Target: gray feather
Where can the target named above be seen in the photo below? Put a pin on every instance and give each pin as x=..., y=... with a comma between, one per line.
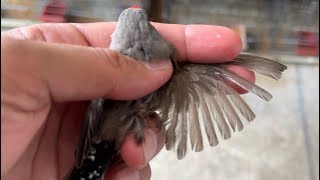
x=212, y=97
x=210, y=105
x=229, y=112
x=183, y=132
x=219, y=89
x=171, y=132
x=237, y=101
x=195, y=130
x=208, y=124
x=218, y=117
x=243, y=83
x=259, y=64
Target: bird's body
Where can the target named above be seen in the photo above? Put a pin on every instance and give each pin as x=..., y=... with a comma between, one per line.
x=193, y=89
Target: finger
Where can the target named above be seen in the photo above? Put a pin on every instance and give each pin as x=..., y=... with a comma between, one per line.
x=246, y=74
x=137, y=156
x=196, y=43
x=145, y=173
x=71, y=72
x=122, y=171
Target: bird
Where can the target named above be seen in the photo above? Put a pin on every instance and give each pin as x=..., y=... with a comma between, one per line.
x=196, y=93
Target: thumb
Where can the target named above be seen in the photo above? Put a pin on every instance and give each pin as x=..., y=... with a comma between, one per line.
x=69, y=72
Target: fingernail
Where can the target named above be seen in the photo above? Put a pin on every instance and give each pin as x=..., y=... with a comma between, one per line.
x=150, y=144
x=128, y=174
x=159, y=64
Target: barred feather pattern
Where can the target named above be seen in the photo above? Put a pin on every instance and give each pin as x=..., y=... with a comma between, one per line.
x=199, y=92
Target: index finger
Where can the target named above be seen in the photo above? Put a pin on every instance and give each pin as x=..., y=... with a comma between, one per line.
x=194, y=43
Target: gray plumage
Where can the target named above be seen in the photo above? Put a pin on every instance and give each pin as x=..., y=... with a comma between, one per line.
x=196, y=94
x=136, y=37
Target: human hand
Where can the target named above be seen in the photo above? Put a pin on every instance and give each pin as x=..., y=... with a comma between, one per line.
x=48, y=71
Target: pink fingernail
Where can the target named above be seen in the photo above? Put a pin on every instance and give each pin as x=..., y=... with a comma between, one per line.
x=161, y=64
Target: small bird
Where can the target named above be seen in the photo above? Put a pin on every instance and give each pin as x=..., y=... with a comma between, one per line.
x=195, y=93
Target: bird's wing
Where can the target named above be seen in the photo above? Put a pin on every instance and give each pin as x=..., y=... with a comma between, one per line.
x=198, y=95
x=93, y=117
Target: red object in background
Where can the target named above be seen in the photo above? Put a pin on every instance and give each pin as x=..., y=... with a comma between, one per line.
x=135, y=7
x=307, y=44
x=54, y=11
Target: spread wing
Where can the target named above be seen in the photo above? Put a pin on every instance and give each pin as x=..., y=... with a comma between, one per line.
x=198, y=95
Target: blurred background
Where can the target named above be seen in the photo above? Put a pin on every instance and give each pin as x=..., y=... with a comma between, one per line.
x=283, y=142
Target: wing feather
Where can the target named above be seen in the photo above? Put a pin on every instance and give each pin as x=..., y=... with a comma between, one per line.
x=183, y=129
x=199, y=92
x=195, y=130
x=208, y=124
x=93, y=117
x=261, y=65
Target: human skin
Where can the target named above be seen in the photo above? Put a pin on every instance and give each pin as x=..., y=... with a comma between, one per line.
x=50, y=71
